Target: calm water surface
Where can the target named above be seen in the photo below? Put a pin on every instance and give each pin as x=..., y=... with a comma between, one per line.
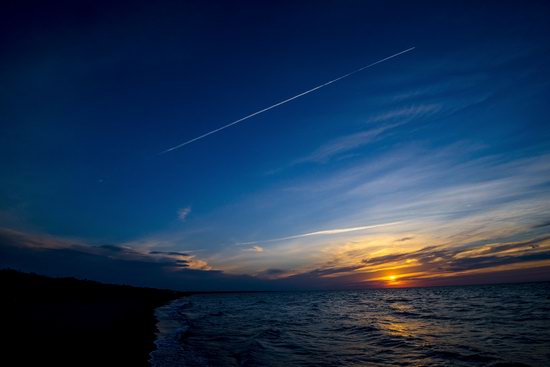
x=499, y=325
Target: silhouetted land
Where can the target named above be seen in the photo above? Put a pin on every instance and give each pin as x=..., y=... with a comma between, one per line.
x=71, y=322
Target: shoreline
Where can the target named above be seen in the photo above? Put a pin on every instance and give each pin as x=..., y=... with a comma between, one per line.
x=68, y=322
x=169, y=330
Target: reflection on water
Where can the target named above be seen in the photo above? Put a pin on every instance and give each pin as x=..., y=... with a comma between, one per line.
x=447, y=326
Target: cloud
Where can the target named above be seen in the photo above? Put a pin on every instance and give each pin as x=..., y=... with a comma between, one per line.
x=114, y=264
x=116, y=249
x=183, y=213
x=406, y=113
x=168, y=253
x=436, y=265
x=347, y=143
x=542, y=225
x=323, y=232
x=404, y=239
x=273, y=271
x=256, y=249
x=437, y=260
x=344, y=144
x=454, y=195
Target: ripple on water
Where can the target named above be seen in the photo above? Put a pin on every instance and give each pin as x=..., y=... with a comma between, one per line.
x=496, y=326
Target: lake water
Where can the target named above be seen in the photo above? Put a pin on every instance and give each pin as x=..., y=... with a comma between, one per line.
x=493, y=325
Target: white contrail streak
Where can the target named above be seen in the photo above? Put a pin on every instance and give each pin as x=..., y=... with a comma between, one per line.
x=283, y=102
x=321, y=233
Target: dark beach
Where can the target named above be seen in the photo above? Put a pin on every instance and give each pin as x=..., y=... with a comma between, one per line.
x=66, y=321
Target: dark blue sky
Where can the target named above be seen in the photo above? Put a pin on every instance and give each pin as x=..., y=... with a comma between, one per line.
x=446, y=145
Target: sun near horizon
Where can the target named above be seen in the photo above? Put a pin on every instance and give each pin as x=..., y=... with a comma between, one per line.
x=196, y=146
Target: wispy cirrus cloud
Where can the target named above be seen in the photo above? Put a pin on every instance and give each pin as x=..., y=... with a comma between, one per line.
x=255, y=248
x=406, y=113
x=183, y=213
x=439, y=197
x=345, y=144
x=323, y=232
x=393, y=118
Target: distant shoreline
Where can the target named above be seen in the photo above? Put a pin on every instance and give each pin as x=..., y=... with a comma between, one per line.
x=71, y=322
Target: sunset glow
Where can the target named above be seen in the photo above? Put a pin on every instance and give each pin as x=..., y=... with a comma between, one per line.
x=275, y=183
x=254, y=159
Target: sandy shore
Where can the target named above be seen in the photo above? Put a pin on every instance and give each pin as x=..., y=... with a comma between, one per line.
x=72, y=322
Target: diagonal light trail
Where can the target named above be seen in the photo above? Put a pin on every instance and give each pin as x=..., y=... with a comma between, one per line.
x=282, y=102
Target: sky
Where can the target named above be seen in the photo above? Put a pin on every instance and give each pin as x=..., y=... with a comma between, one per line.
x=429, y=168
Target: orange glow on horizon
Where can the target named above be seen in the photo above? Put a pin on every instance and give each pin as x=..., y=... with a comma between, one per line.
x=392, y=281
